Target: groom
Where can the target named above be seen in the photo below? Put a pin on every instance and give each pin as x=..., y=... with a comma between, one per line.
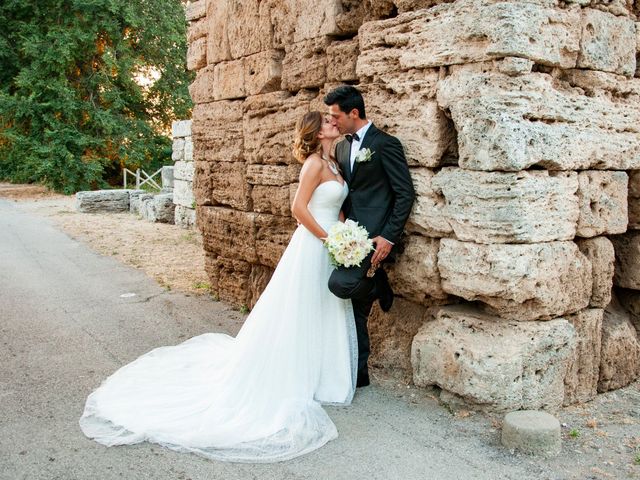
x=380, y=198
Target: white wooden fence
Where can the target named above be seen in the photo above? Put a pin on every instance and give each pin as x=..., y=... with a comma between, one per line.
x=142, y=178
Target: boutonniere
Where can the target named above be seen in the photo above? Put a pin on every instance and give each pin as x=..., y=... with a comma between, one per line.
x=364, y=155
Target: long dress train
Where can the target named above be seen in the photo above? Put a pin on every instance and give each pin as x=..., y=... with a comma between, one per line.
x=256, y=397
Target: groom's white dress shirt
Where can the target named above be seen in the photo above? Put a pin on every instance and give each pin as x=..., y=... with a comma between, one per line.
x=355, y=144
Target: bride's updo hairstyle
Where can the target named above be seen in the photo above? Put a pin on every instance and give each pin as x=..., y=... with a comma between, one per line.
x=306, y=141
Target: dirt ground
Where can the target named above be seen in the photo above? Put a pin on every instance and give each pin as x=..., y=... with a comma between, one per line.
x=601, y=439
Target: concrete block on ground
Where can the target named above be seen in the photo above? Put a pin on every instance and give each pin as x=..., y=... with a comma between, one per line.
x=184, y=217
x=164, y=208
x=532, y=432
x=103, y=201
x=167, y=177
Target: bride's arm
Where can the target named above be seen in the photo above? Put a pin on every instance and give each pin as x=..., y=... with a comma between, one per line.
x=341, y=216
x=309, y=180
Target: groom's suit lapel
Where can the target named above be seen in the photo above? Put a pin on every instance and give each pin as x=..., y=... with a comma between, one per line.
x=366, y=143
x=343, y=156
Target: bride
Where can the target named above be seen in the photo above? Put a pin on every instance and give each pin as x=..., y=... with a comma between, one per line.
x=256, y=397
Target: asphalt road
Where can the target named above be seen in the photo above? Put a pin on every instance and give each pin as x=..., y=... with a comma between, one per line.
x=68, y=319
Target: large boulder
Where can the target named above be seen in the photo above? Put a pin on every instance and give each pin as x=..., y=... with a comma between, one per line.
x=492, y=363
x=518, y=282
x=103, y=201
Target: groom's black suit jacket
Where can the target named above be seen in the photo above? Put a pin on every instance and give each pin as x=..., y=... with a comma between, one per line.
x=380, y=190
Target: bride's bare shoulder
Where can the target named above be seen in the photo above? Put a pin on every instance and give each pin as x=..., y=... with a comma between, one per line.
x=313, y=163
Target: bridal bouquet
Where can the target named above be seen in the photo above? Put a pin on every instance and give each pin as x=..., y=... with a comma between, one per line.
x=348, y=244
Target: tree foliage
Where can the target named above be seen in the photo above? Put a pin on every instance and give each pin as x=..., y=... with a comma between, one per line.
x=73, y=111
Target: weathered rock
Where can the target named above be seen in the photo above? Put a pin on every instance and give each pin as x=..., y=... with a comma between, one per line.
x=196, y=10
x=258, y=280
x=217, y=131
x=620, y=355
x=476, y=30
x=305, y=64
x=532, y=432
x=197, y=29
x=197, y=54
x=600, y=253
x=634, y=200
x=514, y=66
x=183, y=194
x=409, y=5
x=415, y=275
x=630, y=301
x=581, y=379
x=603, y=203
x=188, y=149
x=627, y=271
x=135, y=197
x=229, y=279
x=184, y=217
x=228, y=233
x=164, y=208
x=271, y=199
x=269, y=125
x=501, y=207
x=391, y=334
x=249, y=27
x=518, y=282
x=262, y=72
x=427, y=215
x=607, y=42
x=201, y=89
x=177, y=149
x=273, y=233
x=147, y=208
x=167, y=177
x=342, y=56
x=104, y=201
x=217, y=34
x=276, y=175
x=416, y=120
x=548, y=123
x=229, y=186
x=228, y=80
x=183, y=171
x=492, y=363
x=181, y=128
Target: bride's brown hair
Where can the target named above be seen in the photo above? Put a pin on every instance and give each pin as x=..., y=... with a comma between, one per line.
x=306, y=141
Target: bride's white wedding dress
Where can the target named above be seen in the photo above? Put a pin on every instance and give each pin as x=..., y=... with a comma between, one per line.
x=255, y=397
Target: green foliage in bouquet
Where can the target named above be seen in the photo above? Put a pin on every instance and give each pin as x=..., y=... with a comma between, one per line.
x=74, y=107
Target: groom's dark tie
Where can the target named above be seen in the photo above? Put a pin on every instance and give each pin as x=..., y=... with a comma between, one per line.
x=350, y=137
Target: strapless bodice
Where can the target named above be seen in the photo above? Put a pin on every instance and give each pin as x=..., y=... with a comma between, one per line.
x=326, y=201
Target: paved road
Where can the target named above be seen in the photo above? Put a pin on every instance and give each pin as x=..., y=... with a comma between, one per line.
x=65, y=325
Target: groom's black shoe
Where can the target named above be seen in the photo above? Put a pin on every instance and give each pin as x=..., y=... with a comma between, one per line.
x=383, y=289
x=363, y=380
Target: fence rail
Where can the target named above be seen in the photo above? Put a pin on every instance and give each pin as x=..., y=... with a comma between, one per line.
x=140, y=181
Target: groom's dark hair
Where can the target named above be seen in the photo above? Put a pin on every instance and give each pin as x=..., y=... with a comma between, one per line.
x=347, y=98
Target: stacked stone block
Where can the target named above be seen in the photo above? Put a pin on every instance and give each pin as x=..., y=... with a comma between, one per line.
x=183, y=169
x=521, y=125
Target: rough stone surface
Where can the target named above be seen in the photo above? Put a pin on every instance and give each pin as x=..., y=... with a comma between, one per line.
x=549, y=123
x=258, y=280
x=136, y=197
x=229, y=279
x=599, y=251
x=197, y=54
x=415, y=119
x=342, y=56
x=581, y=379
x=415, y=275
x=518, y=282
x=630, y=301
x=228, y=80
x=391, y=334
x=634, y=200
x=201, y=89
x=627, y=270
x=305, y=64
x=217, y=131
x=184, y=217
x=183, y=194
x=109, y=201
x=476, y=30
x=607, y=42
x=500, y=207
x=183, y=171
x=272, y=237
x=603, y=203
x=491, y=363
x=428, y=213
x=228, y=233
x=196, y=10
x=271, y=199
x=620, y=355
x=262, y=72
x=532, y=432
x=164, y=208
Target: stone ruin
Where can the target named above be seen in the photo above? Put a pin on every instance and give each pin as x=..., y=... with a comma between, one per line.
x=519, y=285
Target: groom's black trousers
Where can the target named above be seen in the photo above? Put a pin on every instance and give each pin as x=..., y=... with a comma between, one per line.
x=353, y=283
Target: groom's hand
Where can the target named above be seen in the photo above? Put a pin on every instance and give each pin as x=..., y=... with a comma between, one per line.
x=383, y=247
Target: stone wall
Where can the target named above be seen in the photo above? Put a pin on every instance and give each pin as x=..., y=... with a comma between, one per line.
x=183, y=168
x=521, y=124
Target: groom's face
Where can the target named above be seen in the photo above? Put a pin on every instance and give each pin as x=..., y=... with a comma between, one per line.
x=345, y=123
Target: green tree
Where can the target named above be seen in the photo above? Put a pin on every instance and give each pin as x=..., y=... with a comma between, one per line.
x=74, y=108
